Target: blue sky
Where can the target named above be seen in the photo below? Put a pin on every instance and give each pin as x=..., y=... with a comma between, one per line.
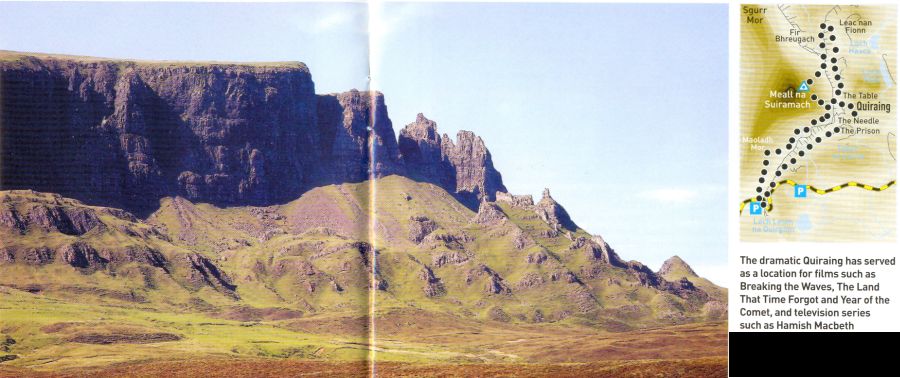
x=621, y=110
x=330, y=38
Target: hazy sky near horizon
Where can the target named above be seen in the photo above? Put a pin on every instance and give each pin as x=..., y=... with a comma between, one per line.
x=331, y=38
x=621, y=110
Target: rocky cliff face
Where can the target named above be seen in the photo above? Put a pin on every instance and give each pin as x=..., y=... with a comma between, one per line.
x=551, y=212
x=464, y=166
x=346, y=121
x=125, y=134
x=26, y=214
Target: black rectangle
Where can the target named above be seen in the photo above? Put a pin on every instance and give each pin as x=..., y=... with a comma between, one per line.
x=812, y=354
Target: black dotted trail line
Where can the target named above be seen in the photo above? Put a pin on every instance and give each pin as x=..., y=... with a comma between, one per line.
x=806, y=138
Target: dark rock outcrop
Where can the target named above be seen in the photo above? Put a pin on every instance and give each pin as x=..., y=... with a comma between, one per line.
x=447, y=258
x=346, y=123
x=472, y=163
x=464, y=167
x=644, y=275
x=583, y=300
x=489, y=214
x=294, y=267
x=451, y=240
x=80, y=255
x=606, y=253
x=536, y=258
x=138, y=254
x=683, y=288
x=7, y=256
x=494, y=283
x=433, y=285
x=498, y=315
x=553, y=213
x=10, y=219
x=420, y=227
x=597, y=249
x=122, y=338
x=84, y=256
x=530, y=280
x=123, y=134
x=76, y=221
x=420, y=146
x=37, y=256
x=520, y=201
x=48, y=217
x=521, y=240
x=201, y=271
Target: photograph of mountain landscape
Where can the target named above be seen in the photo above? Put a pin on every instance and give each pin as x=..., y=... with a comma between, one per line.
x=197, y=189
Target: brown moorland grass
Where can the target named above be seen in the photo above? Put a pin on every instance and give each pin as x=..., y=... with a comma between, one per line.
x=212, y=368
x=541, y=343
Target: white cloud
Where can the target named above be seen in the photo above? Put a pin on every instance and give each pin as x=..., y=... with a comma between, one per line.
x=670, y=195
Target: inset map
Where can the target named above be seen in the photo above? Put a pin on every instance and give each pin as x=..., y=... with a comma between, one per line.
x=818, y=129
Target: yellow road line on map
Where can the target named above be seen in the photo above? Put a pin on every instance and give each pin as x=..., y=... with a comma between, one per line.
x=819, y=190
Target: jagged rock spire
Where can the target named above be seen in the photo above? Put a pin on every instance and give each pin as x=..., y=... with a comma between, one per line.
x=463, y=166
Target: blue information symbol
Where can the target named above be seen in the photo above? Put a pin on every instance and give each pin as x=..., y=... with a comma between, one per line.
x=800, y=191
x=755, y=208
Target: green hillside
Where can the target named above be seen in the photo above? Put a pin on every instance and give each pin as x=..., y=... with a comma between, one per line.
x=297, y=280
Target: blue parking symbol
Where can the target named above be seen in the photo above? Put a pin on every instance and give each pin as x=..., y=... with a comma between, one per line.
x=800, y=191
x=755, y=208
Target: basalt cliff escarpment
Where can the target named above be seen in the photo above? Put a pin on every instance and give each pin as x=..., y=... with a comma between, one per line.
x=227, y=210
x=94, y=141
x=126, y=133
x=465, y=166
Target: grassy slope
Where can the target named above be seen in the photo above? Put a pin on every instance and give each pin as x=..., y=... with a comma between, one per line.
x=681, y=269
x=494, y=248
x=318, y=231
x=30, y=320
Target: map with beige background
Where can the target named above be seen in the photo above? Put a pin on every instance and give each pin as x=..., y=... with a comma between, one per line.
x=818, y=131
